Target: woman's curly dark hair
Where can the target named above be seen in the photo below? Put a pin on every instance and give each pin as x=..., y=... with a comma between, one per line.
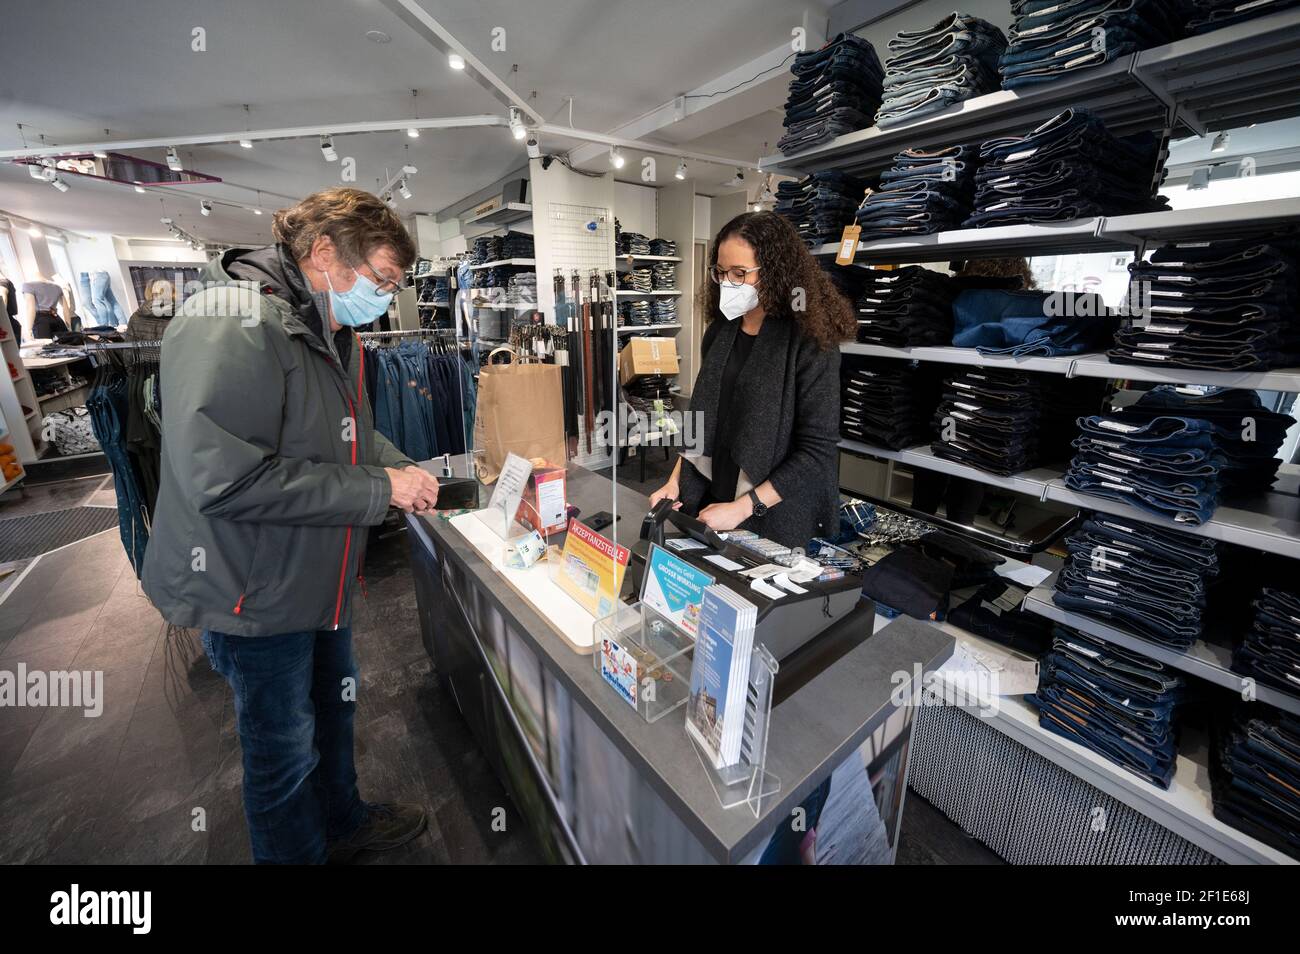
x=785, y=265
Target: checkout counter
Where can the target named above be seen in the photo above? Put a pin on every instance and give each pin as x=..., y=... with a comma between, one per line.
x=598, y=784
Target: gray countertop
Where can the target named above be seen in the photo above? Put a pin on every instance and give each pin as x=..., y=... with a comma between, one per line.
x=812, y=731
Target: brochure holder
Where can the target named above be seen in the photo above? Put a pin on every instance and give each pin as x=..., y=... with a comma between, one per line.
x=748, y=781
x=645, y=658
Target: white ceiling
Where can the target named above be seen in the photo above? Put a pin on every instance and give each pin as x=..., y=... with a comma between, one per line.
x=74, y=69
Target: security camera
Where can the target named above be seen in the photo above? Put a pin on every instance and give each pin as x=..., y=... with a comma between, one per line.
x=205, y=207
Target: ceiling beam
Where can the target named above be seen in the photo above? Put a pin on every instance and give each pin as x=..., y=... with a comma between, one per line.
x=849, y=16
x=259, y=135
x=600, y=143
x=441, y=39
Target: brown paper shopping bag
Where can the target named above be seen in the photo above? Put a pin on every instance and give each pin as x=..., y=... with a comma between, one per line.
x=520, y=410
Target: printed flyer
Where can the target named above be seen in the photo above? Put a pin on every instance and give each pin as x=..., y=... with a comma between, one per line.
x=619, y=669
x=592, y=569
x=674, y=589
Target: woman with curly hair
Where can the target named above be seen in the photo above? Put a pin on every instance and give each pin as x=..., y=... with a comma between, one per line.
x=768, y=388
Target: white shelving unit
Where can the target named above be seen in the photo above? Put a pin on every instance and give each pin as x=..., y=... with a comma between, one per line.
x=504, y=214
x=630, y=293
x=530, y=262
x=634, y=329
x=624, y=259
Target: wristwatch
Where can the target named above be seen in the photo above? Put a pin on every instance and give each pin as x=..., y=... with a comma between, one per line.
x=760, y=508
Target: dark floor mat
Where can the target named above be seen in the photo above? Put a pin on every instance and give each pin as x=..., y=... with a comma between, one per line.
x=23, y=537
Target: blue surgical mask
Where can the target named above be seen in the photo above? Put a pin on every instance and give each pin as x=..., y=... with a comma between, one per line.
x=362, y=304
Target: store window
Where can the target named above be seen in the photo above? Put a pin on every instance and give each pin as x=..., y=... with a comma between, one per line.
x=9, y=259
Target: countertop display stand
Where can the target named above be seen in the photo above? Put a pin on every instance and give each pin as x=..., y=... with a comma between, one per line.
x=748, y=782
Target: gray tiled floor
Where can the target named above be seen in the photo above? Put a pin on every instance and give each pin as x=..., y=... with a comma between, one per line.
x=125, y=787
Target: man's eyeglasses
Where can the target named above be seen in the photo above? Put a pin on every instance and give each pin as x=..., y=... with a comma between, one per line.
x=732, y=276
x=384, y=285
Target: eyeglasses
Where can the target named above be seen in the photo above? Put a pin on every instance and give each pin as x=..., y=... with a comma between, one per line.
x=385, y=286
x=732, y=276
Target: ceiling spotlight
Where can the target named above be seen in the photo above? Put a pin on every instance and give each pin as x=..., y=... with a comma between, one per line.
x=378, y=36
x=59, y=184
x=403, y=189
x=1200, y=178
x=1220, y=142
x=388, y=199
x=517, y=124
x=139, y=188
x=534, y=147
x=205, y=207
x=766, y=195
x=327, y=149
x=455, y=61
x=173, y=160
x=413, y=132
x=681, y=170
x=36, y=172
x=409, y=169
x=615, y=157
x=100, y=155
x=246, y=143
x=257, y=211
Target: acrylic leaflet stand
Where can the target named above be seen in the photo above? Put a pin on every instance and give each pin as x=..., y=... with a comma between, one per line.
x=748, y=781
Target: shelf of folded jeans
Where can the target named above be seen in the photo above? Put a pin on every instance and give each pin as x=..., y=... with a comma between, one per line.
x=1208, y=661
x=629, y=329
x=633, y=293
x=1032, y=482
x=1186, y=808
x=648, y=258
x=1268, y=522
x=1111, y=91
x=1231, y=77
x=966, y=356
x=504, y=262
x=1234, y=220
x=1100, y=366
x=1076, y=235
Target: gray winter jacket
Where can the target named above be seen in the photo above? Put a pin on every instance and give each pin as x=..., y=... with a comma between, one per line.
x=271, y=466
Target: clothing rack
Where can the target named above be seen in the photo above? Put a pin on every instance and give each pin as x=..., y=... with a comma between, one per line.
x=409, y=333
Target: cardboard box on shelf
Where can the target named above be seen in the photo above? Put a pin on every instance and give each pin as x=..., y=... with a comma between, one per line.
x=642, y=356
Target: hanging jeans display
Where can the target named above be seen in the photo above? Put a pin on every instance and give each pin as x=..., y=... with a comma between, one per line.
x=109, y=411
x=98, y=300
x=423, y=400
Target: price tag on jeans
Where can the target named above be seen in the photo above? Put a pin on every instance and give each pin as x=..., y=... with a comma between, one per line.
x=848, y=245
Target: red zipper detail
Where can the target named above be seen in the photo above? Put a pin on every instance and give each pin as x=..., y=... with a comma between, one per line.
x=347, y=540
x=362, y=580
x=240, y=604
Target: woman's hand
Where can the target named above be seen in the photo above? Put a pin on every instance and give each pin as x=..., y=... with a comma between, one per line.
x=726, y=516
x=670, y=490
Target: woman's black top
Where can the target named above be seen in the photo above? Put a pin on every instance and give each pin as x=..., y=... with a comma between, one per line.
x=726, y=472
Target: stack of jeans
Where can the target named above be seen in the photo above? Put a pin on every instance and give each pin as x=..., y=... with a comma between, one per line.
x=1069, y=167
x=835, y=90
x=1118, y=703
x=1031, y=323
x=521, y=289
x=636, y=279
x=496, y=277
x=849, y=282
x=906, y=308
x=1004, y=422
x=663, y=276
x=633, y=243
x=488, y=248
x=1270, y=652
x=927, y=190
x=1225, y=306
x=1255, y=774
x=886, y=403
x=1210, y=15
x=1247, y=434
x=819, y=205
x=663, y=311
x=930, y=70
x=1050, y=39
x=632, y=313
x=663, y=246
x=517, y=245
x=1142, y=579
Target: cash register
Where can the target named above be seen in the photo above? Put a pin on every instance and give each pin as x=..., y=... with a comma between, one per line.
x=788, y=620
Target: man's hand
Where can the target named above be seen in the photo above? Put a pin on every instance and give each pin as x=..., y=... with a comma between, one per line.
x=413, y=489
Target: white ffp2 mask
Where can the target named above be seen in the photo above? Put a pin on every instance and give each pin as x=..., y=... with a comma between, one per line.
x=736, y=300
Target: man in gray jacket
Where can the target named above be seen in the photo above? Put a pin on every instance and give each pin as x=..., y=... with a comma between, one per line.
x=272, y=472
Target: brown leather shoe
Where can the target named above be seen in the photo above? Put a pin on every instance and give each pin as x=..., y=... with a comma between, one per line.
x=387, y=825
